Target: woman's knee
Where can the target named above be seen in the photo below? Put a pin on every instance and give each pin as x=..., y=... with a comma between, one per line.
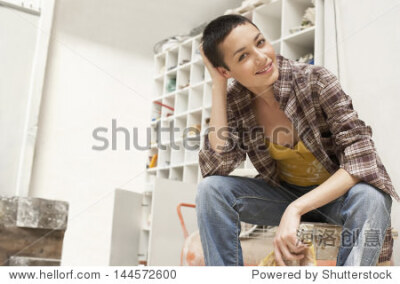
x=366, y=194
x=209, y=187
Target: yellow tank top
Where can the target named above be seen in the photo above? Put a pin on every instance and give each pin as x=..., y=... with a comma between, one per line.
x=298, y=166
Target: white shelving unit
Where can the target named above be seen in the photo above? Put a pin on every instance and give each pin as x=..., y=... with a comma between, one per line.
x=182, y=91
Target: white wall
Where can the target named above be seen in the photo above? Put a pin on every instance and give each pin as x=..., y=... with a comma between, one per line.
x=18, y=35
x=100, y=67
x=369, y=50
x=87, y=85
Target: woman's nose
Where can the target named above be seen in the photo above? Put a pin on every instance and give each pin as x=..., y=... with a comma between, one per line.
x=260, y=57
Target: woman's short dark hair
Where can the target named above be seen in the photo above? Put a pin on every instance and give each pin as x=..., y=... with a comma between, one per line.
x=216, y=32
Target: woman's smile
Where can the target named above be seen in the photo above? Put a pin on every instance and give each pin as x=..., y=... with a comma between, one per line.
x=267, y=69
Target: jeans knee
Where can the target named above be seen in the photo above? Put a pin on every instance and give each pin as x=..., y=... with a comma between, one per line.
x=368, y=196
x=208, y=189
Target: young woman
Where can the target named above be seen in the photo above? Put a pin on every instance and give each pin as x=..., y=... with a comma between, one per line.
x=316, y=159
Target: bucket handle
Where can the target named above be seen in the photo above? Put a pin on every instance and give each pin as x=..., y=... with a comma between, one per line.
x=178, y=209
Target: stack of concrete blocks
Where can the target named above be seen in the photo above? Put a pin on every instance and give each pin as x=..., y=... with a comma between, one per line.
x=32, y=231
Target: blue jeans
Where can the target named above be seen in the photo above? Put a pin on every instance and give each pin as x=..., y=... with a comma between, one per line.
x=223, y=201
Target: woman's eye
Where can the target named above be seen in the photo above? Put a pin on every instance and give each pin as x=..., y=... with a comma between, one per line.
x=242, y=56
x=261, y=41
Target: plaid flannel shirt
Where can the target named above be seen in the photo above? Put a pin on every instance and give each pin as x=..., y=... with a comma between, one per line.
x=324, y=118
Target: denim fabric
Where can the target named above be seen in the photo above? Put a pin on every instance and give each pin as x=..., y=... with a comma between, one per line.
x=223, y=201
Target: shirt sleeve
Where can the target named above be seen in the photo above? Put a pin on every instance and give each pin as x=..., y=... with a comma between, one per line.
x=353, y=138
x=232, y=154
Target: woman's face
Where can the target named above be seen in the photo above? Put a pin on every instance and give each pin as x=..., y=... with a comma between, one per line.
x=250, y=58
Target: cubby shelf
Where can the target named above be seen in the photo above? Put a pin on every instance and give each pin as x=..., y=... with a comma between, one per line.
x=182, y=82
x=192, y=98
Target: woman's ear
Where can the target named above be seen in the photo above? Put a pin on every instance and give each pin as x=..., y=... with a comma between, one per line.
x=224, y=72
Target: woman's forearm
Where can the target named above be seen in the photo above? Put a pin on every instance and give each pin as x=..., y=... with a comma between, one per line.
x=218, y=119
x=335, y=186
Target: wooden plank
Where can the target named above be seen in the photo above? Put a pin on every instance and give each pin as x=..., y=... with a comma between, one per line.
x=41, y=243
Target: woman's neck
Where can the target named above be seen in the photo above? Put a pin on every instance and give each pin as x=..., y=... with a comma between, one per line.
x=265, y=95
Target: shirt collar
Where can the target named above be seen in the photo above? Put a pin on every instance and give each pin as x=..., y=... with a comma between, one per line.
x=283, y=86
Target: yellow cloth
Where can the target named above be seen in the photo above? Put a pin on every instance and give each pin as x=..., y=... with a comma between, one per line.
x=309, y=259
x=298, y=166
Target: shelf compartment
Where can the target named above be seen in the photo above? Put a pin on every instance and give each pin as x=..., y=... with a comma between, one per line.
x=195, y=48
x=299, y=44
x=155, y=111
x=185, y=53
x=197, y=72
x=176, y=173
x=190, y=174
x=168, y=105
x=160, y=64
x=170, y=82
x=183, y=79
x=194, y=121
x=192, y=148
x=294, y=12
x=163, y=173
x=180, y=125
x=181, y=104
x=196, y=97
x=164, y=160
x=177, y=154
x=153, y=134
x=172, y=59
x=158, y=86
x=268, y=18
x=151, y=161
x=165, y=134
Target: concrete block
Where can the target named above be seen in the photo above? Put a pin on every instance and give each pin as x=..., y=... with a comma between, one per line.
x=31, y=230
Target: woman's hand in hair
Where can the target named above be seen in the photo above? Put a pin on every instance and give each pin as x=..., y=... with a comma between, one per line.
x=217, y=78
